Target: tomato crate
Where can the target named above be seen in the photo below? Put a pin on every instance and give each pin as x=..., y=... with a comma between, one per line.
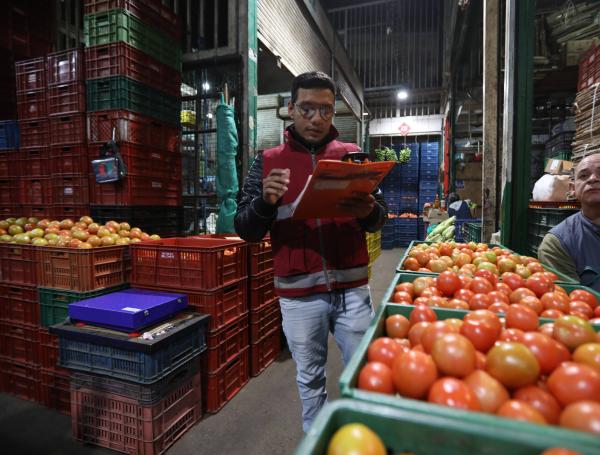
x=65, y=67
x=225, y=344
x=151, y=219
x=486, y=424
x=18, y=264
x=48, y=350
x=66, y=99
x=265, y=351
x=19, y=342
x=9, y=134
x=144, y=394
x=8, y=211
x=220, y=387
x=262, y=290
x=39, y=212
x=9, y=164
x=133, y=128
x=31, y=105
x=34, y=133
x=137, y=190
x=54, y=303
x=55, y=390
x=61, y=212
x=9, y=192
x=188, y=264
x=35, y=190
x=70, y=189
x=121, y=59
x=19, y=304
x=123, y=424
x=265, y=320
x=70, y=159
x=33, y=162
x=82, y=270
x=31, y=74
x=20, y=379
x=68, y=129
x=261, y=256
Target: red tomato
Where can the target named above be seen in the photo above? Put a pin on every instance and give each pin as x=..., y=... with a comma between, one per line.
x=489, y=392
x=521, y=317
x=457, y=304
x=411, y=264
x=397, y=326
x=421, y=283
x=504, y=288
x=406, y=287
x=416, y=332
x=551, y=314
x=585, y=296
x=547, y=329
x=582, y=416
x=430, y=292
x=402, y=297
x=497, y=296
x=487, y=316
x=481, y=333
x=435, y=330
x=541, y=401
x=597, y=312
x=533, y=303
x=560, y=451
x=480, y=360
x=413, y=374
x=512, y=364
x=421, y=301
x=573, y=331
x=454, y=355
x=355, y=438
x=539, y=284
x=513, y=280
x=517, y=295
x=580, y=307
x=571, y=382
x=384, y=350
x=422, y=313
x=479, y=302
x=519, y=410
x=555, y=301
x=376, y=377
x=436, y=301
x=588, y=354
x=464, y=294
x=488, y=275
x=511, y=335
x=448, y=283
x=404, y=343
x=498, y=307
x=544, y=349
x=454, y=393
x=481, y=285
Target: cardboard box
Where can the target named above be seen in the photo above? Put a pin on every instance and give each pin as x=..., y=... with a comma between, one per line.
x=558, y=167
x=436, y=216
x=573, y=50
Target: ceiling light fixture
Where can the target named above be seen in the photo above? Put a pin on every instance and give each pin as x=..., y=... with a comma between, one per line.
x=402, y=94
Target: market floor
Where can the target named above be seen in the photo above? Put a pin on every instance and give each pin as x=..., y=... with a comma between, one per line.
x=264, y=418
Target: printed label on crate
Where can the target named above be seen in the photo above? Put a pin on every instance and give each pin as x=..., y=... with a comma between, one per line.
x=69, y=191
x=156, y=185
x=167, y=255
x=131, y=310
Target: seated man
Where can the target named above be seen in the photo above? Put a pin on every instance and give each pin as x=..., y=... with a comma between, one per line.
x=457, y=207
x=573, y=247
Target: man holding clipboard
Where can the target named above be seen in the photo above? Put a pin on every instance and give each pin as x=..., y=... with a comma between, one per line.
x=320, y=264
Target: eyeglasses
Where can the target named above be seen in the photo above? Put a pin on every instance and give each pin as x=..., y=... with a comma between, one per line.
x=308, y=110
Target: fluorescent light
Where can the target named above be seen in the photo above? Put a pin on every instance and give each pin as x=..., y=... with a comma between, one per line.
x=402, y=95
x=365, y=114
x=209, y=115
x=205, y=86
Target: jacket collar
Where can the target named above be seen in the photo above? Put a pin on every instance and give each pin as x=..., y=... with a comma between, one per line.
x=294, y=139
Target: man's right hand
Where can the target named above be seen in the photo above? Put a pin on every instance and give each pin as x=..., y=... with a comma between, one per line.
x=275, y=185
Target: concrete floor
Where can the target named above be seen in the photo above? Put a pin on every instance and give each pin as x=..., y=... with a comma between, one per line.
x=264, y=418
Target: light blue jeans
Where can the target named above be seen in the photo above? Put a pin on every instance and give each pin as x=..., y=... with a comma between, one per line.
x=307, y=322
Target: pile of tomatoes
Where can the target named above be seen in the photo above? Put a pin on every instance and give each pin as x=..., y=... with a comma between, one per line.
x=520, y=299
x=545, y=375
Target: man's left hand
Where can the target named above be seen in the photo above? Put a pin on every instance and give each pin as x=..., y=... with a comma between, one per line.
x=360, y=205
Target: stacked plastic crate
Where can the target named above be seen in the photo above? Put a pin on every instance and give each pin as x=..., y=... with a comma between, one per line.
x=428, y=173
x=409, y=173
x=9, y=168
x=133, y=80
x=390, y=187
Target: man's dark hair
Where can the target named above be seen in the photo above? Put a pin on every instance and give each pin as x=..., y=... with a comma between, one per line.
x=313, y=79
x=453, y=197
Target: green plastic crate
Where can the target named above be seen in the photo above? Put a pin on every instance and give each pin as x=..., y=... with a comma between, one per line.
x=471, y=232
x=583, y=442
x=119, y=92
x=54, y=303
x=120, y=25
x=407, y=430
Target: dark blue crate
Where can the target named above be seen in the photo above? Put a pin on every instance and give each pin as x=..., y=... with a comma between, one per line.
x=428, y=175
x=428, y=185
x=387, y=244
x=388, y=230
x=428, y=146
x=429, y=166
x=9, y=134
x=458, y=227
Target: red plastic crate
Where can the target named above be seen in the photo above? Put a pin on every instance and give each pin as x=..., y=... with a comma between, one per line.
x=39, y=212
x=261, y=256
x=70, y=159
x=70, y=190
x=33, y=162
x=18, y=264
x=224, y=384
x=188, y=264
x=19, y=342
x=31, y=74
x=82, y=270
x=225, y=344
x=262, y=290
x=19, y=304
x=9, y=163
x=265, y=320
x=9, y=192
x=34, y=133
x=121, y=59
x=20, y=379
x=31, y=105
x=35, y=190
x=137, y=190
x=265, y=351
x=55, y=390
x=66, y=99
x=122, y=424
x=68, y=129
x=8, y=211
x=61, y=212
x=48, y=350
x=65, y=66
x=133, y=128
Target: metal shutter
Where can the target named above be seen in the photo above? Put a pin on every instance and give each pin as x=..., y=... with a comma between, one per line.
x=269, y=129
x=347, y=127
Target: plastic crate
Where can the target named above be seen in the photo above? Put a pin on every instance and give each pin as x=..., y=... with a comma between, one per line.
x=70, y=159
x=39, y=212
x=70, y=190
x=33, y=162
x=34, y=133
x=119, y=92
x=54, y=302
x=61, y=212
x=137, y=190
x=188, y=264
x=82, y=270
x=429, y=175
x=458, y=227
x=387, y=244
x=123, y=424
x=35, y=190
x=20, y=379
x=472, y=232
x=48, y=350
x=264, y=352
x=262, y=290
x=18, y=264
x=19, y=342
x=260, y=255
x=133, y=128
x=428, y=187
x=31, y=105
x=121, y=59
x=31, y=74
x=68, y=129
x=225, y=383
x=151, y=219
x=55, y=390
x=559, y=143
x=8, y=211
x=541, y=220
x=264, y=320
x=9, y=164
x=9, y=192
x=115, y=354
x=19, y=304
x=66, y=99
x=9, y=134
x=65, y=67
x=225, y=344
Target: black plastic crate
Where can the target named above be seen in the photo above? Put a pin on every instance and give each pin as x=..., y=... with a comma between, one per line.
x=540, y=221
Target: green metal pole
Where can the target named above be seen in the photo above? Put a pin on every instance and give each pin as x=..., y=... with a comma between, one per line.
x=252, y=76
